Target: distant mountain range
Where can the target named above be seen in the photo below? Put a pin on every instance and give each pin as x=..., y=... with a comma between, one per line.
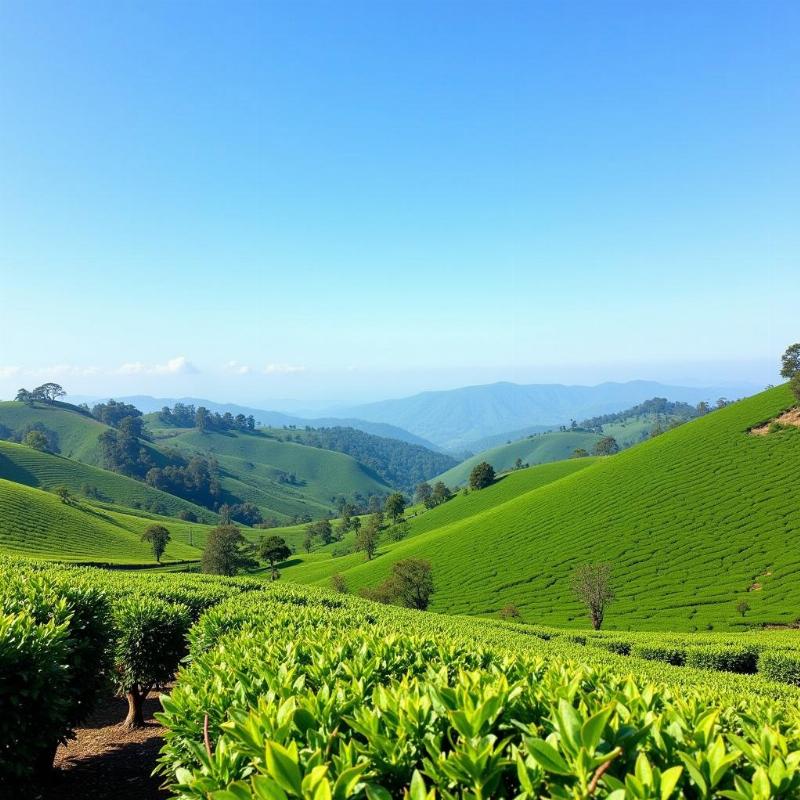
x=459, y=419
x=470, y=418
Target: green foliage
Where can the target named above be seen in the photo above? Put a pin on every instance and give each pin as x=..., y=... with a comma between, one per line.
x=274, y=550
x=794, y=385
x=482, y=475
x=149, y=645
x=780, y=666
x=790, y=361
x=53, y=663
x=451, y=708
x=35, y=440
x=158, y=537
x=395, y=505
x=607, y=446
x=226, y=551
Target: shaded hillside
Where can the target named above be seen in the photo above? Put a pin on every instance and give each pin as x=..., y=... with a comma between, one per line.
x=399, y=464
x=45, y=471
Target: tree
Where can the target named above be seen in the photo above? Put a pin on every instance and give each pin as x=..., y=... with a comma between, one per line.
x=158, y=536
x=423, y=493
x=226, y=551
x=743, y=607
x=367, y=539
x=273, y=549
x=518, y=464
x=703, y=408
x=790, y=361
x=35, y=439
x=794, y=385
x=48, y=392
x=150, y=642
x=509, y=611
x=592, y=586
x=579, y=452
x=338, y=583
x=607, y=446
x=441, y=494
x=64, y=495
x=322, y=528
x=308, y=541
x=400, y=531
x=202, y=419
x=395, y=505
x=413, y=582
x=482, y=475
x=24, y=396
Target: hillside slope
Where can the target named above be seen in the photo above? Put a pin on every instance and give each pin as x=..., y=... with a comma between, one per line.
x=36, y=523
x=258, y=468
x=692, y=521
x=46, y=471
x=322, y=563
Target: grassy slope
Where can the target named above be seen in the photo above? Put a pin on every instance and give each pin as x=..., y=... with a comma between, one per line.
x=36, y=523
x=320, y=565
x=46, y=471
x=541, y=448
x=690, y=521
x=251, y=462
x=538, y=449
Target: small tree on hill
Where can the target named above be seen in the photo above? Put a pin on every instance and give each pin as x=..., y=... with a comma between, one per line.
x=413, y=582
x=509, y=611
x=607, y=446
x=338, y=583
x=35, y=439
x=48, y=392
x=150, y=642
x=64, y=495
x=482, y=475
x=790, y=361
x=395, y=505
x=743, y=607
x=579, y=453
x=441, y=494
x=24, y=396
x=592, y=586
x=367, y=539
x=274, y=550
x=226, y=551
x=423, y=493
x=158, y=537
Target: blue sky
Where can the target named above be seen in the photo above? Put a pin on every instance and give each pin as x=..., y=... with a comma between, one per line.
x=344, y=200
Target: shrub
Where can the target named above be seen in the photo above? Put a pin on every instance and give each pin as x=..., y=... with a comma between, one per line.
x=33, y=707
x=619, y=646
x=724, y=659
x=780, y=666
x=509, y=611
x=482, y=475
x=150, y=644
x=660, y=652
x=338, y=583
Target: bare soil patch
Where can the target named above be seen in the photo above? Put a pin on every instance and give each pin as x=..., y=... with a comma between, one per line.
x=105, y=761
x=790, y=417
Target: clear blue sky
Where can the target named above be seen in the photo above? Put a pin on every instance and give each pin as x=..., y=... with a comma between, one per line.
x=351, y=200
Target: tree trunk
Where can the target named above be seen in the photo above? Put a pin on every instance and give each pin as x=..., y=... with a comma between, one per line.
x=135, y=718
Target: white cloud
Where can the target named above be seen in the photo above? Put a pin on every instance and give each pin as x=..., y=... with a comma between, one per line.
x=282, y=369
x=179, y=365
x=9, y=372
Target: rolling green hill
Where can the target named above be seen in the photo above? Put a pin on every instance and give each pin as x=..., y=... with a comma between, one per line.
x=692, y=522
x=46, y=471
x=322, y=563
x=258, y=468
x=36, y=523
x=539, y=448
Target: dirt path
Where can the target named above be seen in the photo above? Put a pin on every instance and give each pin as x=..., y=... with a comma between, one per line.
x=106, y=762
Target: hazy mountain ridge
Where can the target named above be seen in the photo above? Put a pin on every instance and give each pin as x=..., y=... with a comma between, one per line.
x=458, y=418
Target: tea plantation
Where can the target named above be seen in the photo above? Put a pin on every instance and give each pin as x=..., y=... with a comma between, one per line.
x=295, y=692
x=693, y=521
